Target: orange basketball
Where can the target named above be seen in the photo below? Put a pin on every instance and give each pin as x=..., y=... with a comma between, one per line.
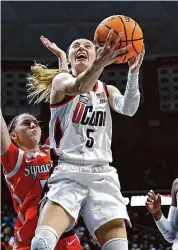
x=132, y=34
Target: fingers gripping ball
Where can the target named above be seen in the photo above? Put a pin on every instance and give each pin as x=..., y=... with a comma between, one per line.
x=132, y=34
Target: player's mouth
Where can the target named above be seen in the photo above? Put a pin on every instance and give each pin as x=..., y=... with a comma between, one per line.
x=34, y=131
x=81, y=56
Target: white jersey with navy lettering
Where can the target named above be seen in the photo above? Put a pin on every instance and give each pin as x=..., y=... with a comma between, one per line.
x=80, y=129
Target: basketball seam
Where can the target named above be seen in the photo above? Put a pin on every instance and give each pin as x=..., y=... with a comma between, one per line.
x=125, y=41
x=114, y=32
x=132, y=38
x=109, y=28
x=125, y=35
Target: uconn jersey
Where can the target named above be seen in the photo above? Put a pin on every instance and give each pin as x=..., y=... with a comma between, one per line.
x=80, y=129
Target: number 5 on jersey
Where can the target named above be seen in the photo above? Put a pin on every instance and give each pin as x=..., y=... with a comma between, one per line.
x=90, y=140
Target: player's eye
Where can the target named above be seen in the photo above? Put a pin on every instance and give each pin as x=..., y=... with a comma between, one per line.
x=26, y=123
x=88, y=46
x=76, y=45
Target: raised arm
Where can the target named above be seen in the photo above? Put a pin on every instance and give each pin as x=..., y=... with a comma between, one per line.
x=167, y=227
x=61, y=55
x=5, y=138
x=128, y=103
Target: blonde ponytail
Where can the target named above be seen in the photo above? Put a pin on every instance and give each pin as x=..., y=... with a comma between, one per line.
x=40, y=82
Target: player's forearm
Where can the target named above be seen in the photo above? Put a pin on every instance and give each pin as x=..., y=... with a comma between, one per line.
x=87, y=79
x=166, y=226
x=127, y=104
x=157, y=215
x=131, y=95
x=62, y=62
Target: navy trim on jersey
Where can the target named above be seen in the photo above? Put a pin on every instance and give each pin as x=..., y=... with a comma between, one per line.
x=58, y=133
x=95, y=87
x=105, y=88
x=54, y=158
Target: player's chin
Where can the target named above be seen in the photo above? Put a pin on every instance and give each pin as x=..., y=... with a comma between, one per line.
x=34, y=139
x=82, y=65
x=82, y=61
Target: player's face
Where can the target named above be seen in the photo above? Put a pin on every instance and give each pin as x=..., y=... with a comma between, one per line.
x=27, y=131
x=81, y=55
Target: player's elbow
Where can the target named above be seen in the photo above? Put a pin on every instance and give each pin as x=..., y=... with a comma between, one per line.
x=129, y=112
x=170, y=239
x=170, y=236
x=130, y=107
x=125, y=111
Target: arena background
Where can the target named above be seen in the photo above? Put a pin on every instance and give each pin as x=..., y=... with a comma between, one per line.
x=145, y=147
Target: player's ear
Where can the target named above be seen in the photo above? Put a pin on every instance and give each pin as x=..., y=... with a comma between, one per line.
x=13, y=136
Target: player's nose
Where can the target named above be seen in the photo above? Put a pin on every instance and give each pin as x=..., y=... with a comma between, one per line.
x=33, y=125
x=82, y=47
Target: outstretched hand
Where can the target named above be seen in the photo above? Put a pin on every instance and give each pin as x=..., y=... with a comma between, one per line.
x=107, y=54
x=153, y=202
x=136, y=62
x=62, y=58
x=52, y=47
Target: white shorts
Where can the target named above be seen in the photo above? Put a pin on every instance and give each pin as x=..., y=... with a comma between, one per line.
x=92, y=191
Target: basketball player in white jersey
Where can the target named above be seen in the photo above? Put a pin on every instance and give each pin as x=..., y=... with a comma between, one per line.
x=168, y=227
x=80, y=136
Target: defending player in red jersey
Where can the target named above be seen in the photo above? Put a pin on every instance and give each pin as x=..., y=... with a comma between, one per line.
x=26, y=169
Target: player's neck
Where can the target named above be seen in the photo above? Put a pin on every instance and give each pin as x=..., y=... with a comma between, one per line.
x=77, y=71
x=30, y=150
